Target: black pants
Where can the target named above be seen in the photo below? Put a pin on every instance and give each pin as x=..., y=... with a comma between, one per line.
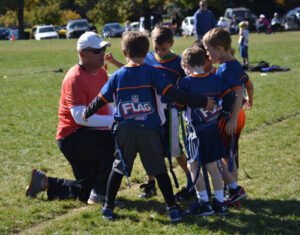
x=91, y=154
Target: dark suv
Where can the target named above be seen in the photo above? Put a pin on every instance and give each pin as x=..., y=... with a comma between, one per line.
x=77, y=27
x=240, y=14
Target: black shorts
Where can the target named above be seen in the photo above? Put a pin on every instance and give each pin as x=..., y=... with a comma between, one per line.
x=133, y=139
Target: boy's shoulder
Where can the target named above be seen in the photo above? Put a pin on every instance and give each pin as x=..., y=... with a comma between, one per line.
x=232, y=65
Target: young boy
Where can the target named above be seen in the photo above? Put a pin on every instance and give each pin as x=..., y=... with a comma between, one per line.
x=243, y=42
x=169, y=64
x=209, y=148
x=139, y=117
x=218, y=45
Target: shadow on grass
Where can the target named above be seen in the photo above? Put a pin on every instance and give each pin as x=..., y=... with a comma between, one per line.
x=256, y=216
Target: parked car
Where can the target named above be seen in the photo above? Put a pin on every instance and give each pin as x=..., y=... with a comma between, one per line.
x=187, y=26
x=292, y=19
x=241, y=14
x=112, y=30
x=4, y=33
x=77, y=27
x=45, y=32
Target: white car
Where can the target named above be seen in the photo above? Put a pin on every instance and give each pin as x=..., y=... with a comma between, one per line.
x=187, y=26
x=45, y=32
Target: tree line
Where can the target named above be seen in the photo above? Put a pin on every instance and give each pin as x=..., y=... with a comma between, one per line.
x=57, y=12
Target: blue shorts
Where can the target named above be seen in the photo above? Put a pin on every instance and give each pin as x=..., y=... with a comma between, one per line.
x=211, y=145
x=244, y=51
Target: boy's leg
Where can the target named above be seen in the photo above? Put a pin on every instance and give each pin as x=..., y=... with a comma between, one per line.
x=128, y=149
x=236, y=192
x=202, y=206
x=151, y=153
x=218, y=201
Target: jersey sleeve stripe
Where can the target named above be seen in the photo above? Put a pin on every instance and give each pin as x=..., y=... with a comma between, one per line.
x=166, y=89
x=103, y=98
x=134, y=87
x=235, y=88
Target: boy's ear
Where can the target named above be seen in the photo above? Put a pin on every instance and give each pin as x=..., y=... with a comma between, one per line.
x=125, y=53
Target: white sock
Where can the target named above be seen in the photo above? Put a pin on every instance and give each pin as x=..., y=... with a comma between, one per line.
x=219, y=195
x=202, y=196
x=233, y=185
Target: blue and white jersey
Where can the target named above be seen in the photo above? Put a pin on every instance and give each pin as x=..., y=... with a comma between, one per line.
x=203, y=84
x=135, y=89
x=170, y=68
x=233, y=76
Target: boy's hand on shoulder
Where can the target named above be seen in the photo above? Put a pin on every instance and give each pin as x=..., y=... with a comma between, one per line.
x=211, y=103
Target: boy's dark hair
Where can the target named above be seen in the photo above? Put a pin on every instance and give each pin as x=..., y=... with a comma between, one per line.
x=193, y=56
x=135, y=44
x=218, y=37
x=162, y=34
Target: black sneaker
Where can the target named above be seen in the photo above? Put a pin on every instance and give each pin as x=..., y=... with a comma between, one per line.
x=235, y=195
x=184, y=194
x=149, y=190
x=220, y=208
x=174, y=214
x=36, y=183
x=107, y=212
x=200, y=209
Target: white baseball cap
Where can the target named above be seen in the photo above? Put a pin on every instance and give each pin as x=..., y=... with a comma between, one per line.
x=91, y=40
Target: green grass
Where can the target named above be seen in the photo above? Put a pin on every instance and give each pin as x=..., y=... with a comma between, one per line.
x=29, y=94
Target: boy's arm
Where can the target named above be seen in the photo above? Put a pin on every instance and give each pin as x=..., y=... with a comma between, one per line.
x=232, y=123
x=191, y=99
x=97, y=103
x=111, y=59
x=250, y=91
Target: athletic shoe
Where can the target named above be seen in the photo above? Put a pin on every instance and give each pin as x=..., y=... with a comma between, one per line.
x=184, y=194
x=98, y=198
x=149, y=190
x=220, y=208
x=95, y=198
x=200, y=209
x=36, y=183
x=174, y=214
x=107, y=212
x=236, y=195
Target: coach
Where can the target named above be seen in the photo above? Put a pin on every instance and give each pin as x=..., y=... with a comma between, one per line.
x=88, y=146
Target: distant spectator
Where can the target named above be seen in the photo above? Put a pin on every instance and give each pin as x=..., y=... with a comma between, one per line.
x=276, y=23
x=176, y=24
x=233, y=27
x=243, y=42
x=127, y=26
x=204, y=20
x=263, y=24
x=222, y=23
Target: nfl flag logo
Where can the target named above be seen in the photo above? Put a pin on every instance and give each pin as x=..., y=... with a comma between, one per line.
x=135, y=99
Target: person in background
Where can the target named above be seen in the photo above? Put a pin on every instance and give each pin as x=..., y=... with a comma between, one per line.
x=204, y=20
x=243, y=42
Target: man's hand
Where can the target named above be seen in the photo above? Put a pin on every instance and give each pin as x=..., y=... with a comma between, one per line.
x=211, y=103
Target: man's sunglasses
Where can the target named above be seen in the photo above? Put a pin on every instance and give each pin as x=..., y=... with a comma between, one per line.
x=96, y=51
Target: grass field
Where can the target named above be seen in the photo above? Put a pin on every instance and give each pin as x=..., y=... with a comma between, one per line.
x=30, y=78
